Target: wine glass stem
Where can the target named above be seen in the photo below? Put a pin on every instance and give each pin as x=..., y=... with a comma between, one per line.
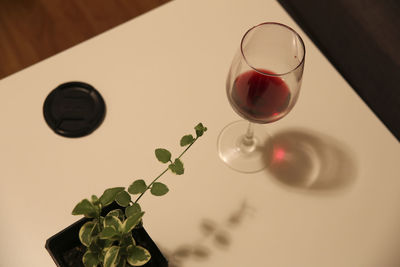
x=248, y=139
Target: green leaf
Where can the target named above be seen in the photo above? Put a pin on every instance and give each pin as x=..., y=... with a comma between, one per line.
x=105, y=248
x=187, y=140
x=159, y=189
x=108, y=232
x=137, y=255
x=113, y=221
x=131, y=222
x=117, y=213
x=200, y=129
x=86, y=233
x=163, y=155
x=97, y=209
x=101, y=220
x=177, y=167
x=95, y=200
x=94, y=245
x=131, y=210
x=105, y=243
x=137, y=187
x=109, y=195
x=122, y=262
x=127, y=240
x=85, y=207
x=111, y=258
x=123, y=198
x=90, y=259
x=98, y=244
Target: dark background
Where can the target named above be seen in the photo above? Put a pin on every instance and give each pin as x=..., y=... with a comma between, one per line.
x=361, y=38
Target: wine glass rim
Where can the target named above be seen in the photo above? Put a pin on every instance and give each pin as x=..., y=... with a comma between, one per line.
x=267, y=73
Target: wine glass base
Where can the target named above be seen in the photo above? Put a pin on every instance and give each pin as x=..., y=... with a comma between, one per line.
x=244, y=158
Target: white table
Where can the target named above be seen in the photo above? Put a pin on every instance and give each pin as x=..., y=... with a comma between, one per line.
x=162, y=73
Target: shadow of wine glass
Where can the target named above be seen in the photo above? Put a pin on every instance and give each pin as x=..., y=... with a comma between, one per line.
x=311, y=161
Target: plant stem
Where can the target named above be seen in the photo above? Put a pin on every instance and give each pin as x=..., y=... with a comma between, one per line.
x=161, y=174
x=148, y=187
x=184, y=151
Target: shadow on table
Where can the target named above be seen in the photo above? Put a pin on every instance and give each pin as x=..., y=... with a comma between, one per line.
x=214, y=235
x=307, y=160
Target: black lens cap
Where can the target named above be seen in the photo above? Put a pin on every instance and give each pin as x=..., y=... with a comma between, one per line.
x=74, y=109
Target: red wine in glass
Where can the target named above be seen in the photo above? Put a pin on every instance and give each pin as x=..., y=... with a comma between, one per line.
x=260, y=96
x=262, y=86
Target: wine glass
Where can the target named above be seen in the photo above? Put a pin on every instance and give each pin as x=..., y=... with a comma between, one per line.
x=263, y=85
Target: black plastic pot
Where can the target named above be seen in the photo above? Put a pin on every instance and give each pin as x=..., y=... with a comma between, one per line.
x=66, y=249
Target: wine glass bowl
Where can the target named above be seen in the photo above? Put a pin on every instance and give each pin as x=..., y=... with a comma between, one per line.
x=265, y=76
x=262, y=86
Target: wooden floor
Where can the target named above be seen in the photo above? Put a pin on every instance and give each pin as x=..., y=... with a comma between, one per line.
x=32, y=30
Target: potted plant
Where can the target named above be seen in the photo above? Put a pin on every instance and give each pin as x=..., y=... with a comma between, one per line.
x=111, y=234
